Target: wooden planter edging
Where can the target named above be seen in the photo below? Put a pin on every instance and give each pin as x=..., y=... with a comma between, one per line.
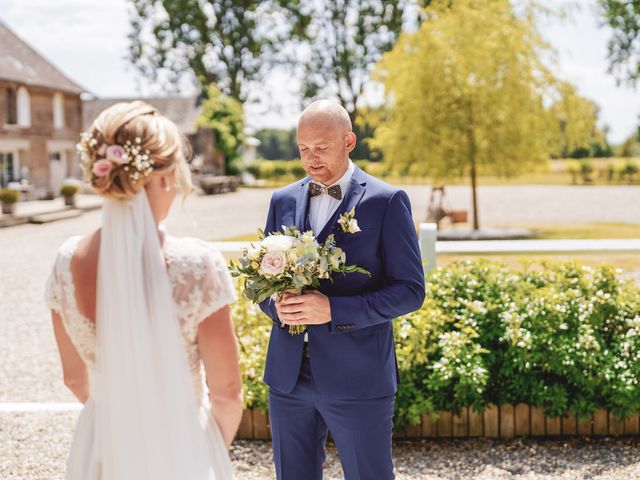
x=504, y=421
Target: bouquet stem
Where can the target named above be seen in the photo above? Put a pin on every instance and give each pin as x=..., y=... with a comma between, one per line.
x=294, y=329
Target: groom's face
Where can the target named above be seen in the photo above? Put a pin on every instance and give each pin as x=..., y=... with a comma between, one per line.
x=324, y=150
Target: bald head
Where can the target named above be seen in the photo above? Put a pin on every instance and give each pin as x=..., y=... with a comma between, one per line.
x=325, y=139
x=326, y=114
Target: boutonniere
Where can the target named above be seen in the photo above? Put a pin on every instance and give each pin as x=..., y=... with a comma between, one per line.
x=348, y=222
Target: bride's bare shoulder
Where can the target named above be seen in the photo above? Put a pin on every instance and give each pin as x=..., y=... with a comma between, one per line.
x=87, y=247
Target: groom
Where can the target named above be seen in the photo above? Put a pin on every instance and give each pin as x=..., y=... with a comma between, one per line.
x=341, y=375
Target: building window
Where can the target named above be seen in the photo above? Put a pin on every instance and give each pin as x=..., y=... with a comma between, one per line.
x=11, y=106
x=7, y=168
x=24, y=108
x=58, y=111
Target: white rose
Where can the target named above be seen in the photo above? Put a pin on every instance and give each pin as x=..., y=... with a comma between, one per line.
x=278, y=243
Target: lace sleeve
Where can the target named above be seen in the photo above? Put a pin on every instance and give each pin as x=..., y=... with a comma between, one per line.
x=202, y=287
x=53, y=289
x=221, y=287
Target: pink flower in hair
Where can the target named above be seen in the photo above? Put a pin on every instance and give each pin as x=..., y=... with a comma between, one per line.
x=102, y=168
x=102, y=150
x=117, y=154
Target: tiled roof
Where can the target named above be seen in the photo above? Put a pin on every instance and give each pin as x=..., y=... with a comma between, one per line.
x=21, y=63
x=183, y=111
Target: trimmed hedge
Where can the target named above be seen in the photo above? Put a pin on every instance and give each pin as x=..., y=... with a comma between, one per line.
x=558, y=335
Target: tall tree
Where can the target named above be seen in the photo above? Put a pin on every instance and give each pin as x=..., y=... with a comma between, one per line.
x=277, y=144
x=347, y=38
x=623, y=16
x=575, y=124
x=225, y=116
x=227, y=43
x=465, y=94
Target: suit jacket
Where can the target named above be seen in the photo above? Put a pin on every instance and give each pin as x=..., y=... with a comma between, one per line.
x=353, y=356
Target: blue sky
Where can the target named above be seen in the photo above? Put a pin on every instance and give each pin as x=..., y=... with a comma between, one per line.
x=87, y=40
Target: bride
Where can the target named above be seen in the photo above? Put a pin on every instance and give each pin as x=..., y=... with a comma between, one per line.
x=137, y=314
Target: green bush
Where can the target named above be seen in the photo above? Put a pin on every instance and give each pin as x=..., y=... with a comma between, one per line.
x=8, y=195
x=573, y=167
x=586, y=170
x=68, y=190
x=629, y=170
x=558, y=335
x=561, y=336
x=281, y=169
x=252, y=329
x=253, y=168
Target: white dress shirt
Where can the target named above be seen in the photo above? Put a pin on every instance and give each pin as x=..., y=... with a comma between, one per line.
x=322, y=207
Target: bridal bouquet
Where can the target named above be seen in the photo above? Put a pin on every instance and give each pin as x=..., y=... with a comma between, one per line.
x=289, y=262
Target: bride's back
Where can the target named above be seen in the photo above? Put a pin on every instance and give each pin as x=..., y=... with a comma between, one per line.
x=136, y=314
x=84, y=274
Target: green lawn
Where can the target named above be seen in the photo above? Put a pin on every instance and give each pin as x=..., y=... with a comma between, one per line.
x=546, y=232
x=626, y=262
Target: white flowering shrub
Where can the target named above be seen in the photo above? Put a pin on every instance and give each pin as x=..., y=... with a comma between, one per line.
x=554, y=334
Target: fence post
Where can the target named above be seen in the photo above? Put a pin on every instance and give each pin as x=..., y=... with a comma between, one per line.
x=427, y=237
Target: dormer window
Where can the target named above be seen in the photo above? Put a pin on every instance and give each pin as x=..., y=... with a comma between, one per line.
x=24, y=108
x=11, y=107
x=58, y=111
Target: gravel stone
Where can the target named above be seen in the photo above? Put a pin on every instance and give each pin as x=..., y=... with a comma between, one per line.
x=34, y=446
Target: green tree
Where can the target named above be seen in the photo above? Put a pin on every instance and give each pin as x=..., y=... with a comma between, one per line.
x=575, y=133
x=465, y=94
x=347, y=38
x=630, y=147
x=228, y=43
x=277, y=144
x=224, y=115
x=623, y=16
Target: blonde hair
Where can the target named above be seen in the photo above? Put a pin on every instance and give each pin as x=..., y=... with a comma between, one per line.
x=140, y=124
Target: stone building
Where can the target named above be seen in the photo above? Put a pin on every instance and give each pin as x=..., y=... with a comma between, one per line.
x=40, y=118
x=184, y=112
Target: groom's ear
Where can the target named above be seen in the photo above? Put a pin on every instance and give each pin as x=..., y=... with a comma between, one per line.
x=350, y=141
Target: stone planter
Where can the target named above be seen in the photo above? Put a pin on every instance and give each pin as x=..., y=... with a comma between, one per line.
x=8, y=208
x=70, y=201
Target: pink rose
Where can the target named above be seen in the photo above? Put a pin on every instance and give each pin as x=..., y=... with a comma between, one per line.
x=272, y=264
x=102, y=168
x=116, y=153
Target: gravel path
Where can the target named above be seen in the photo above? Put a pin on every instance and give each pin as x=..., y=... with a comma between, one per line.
x=34, y=445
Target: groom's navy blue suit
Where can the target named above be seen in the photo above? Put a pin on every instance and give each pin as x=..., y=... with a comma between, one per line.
x=349, y=380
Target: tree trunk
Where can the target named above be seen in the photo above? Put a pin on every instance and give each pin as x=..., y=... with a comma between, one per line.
x=474, y=179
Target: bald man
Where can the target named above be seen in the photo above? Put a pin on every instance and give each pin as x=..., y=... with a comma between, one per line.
x=341, y=375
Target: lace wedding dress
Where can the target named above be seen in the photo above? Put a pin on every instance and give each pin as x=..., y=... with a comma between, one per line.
x=201, y=285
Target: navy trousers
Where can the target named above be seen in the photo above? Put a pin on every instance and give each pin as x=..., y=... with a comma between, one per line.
x=361, y=429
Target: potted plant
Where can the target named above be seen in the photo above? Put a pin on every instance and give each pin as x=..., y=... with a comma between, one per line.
x=68, y=191
x=8, y=198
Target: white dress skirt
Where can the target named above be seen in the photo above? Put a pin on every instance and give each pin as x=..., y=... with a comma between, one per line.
x=201, y=285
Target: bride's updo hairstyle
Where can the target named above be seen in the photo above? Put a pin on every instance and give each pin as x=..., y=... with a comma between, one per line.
x=127, y=143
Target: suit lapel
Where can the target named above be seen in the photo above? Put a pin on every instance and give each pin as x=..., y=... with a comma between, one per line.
x=353, y=195
x=302, y=205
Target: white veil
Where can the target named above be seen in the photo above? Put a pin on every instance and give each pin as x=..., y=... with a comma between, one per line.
x=148, y=423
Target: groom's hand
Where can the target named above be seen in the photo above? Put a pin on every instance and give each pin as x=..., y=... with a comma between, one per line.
x=310, y=308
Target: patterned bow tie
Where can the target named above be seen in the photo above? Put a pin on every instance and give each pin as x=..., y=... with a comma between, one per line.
x=335, y=191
